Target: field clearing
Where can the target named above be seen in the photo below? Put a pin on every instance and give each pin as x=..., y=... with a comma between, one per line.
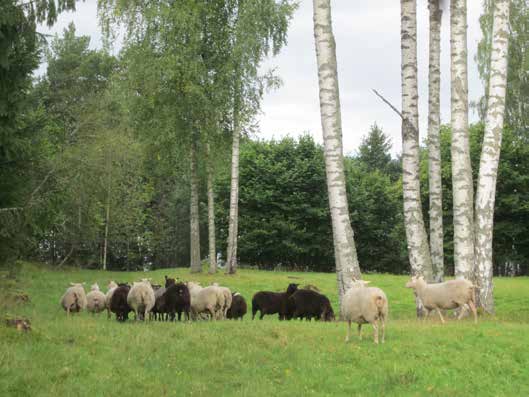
x=90, y=355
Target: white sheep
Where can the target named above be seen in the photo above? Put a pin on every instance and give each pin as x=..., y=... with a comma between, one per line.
x=74, y=299
x=205, y=300
x=141, y=298
x=451, y=294
x=108, y=297
x=364, y=305
x=227, y=299
x=95, y=300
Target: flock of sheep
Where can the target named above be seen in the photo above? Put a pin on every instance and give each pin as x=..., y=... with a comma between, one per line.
x=361, y=304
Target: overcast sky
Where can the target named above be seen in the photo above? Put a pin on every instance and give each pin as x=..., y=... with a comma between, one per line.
x=368, y=49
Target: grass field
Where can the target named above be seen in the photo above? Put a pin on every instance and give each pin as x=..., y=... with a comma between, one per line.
x=92, y=356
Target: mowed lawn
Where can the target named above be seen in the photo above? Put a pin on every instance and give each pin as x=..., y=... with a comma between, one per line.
x=89, y=355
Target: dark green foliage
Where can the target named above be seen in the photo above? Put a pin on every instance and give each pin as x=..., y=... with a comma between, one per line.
x=374, y=153
x=284, y=214
x=511, y=214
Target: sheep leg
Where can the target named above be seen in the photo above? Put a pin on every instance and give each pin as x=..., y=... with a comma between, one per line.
x=462, y=311
x=375, y=332
x=474, y=311
x=383, y=326
x=440, y=315
x=348, y=331
x=360, y=331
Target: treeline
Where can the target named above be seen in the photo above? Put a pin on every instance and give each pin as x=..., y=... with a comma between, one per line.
x=95, y=157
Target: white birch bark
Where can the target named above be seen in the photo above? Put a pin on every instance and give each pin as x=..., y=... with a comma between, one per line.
x=233, y=225
x=434, y=143
x=211, y=215
x=490, y=154
x=462, y=184
x=107, y=211
x=417, y=240
x=346, y=259
x=196, y=266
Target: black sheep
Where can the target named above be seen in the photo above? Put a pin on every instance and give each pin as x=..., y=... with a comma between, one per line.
x=238, y=307
x=177, y=300
x=118, y=303
x=307, y=304
x=272, y=302
x=169, y=282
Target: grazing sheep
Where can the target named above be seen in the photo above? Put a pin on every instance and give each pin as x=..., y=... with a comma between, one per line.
x=205, y=300
x=272, y=302
x=305, y=303
x=170, y=281
x=118, y=302
x=448, y=295
x=141, y=299
x=363, y=305
x=158, y=310
x=238, y=307
x=177, y=300
x=95, y=300
x=74, y=299
x=227, y=299
x=111, y=288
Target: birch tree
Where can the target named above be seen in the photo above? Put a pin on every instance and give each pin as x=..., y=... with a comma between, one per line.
x=233, y=220
x=194, y=217
x=347, y=266
x=211, y=213
x=434, y=144
x=490, y=154
x=417, y=241
x=462, y=184
x=259, y=28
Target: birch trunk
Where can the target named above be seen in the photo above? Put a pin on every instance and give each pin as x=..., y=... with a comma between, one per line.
x=196, y=266
x=211, y=215
x=107, y=212
x=231, y=260
x=462, y=184
x=490, y=154
x=434, y=143
x=346, y=259
x=417, y=241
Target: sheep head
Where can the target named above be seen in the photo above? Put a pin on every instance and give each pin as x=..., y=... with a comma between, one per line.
x=415, y=281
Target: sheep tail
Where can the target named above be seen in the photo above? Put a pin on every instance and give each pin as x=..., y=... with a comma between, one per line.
x=380, y=302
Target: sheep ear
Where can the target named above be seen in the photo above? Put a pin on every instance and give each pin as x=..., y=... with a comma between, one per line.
x=366, y=282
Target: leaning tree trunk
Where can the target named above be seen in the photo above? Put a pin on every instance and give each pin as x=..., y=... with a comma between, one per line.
x=347, y=266
x=490, y=154
x=231, y=260
x=211, y=215
x=417, y=241
x=196, y=266
x=462, y=185
x=434, y=142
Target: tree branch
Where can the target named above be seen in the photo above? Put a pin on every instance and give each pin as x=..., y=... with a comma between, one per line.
x=405, y=120
x=388, y=103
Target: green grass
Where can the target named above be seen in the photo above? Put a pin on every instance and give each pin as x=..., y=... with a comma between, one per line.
x=92, y=356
